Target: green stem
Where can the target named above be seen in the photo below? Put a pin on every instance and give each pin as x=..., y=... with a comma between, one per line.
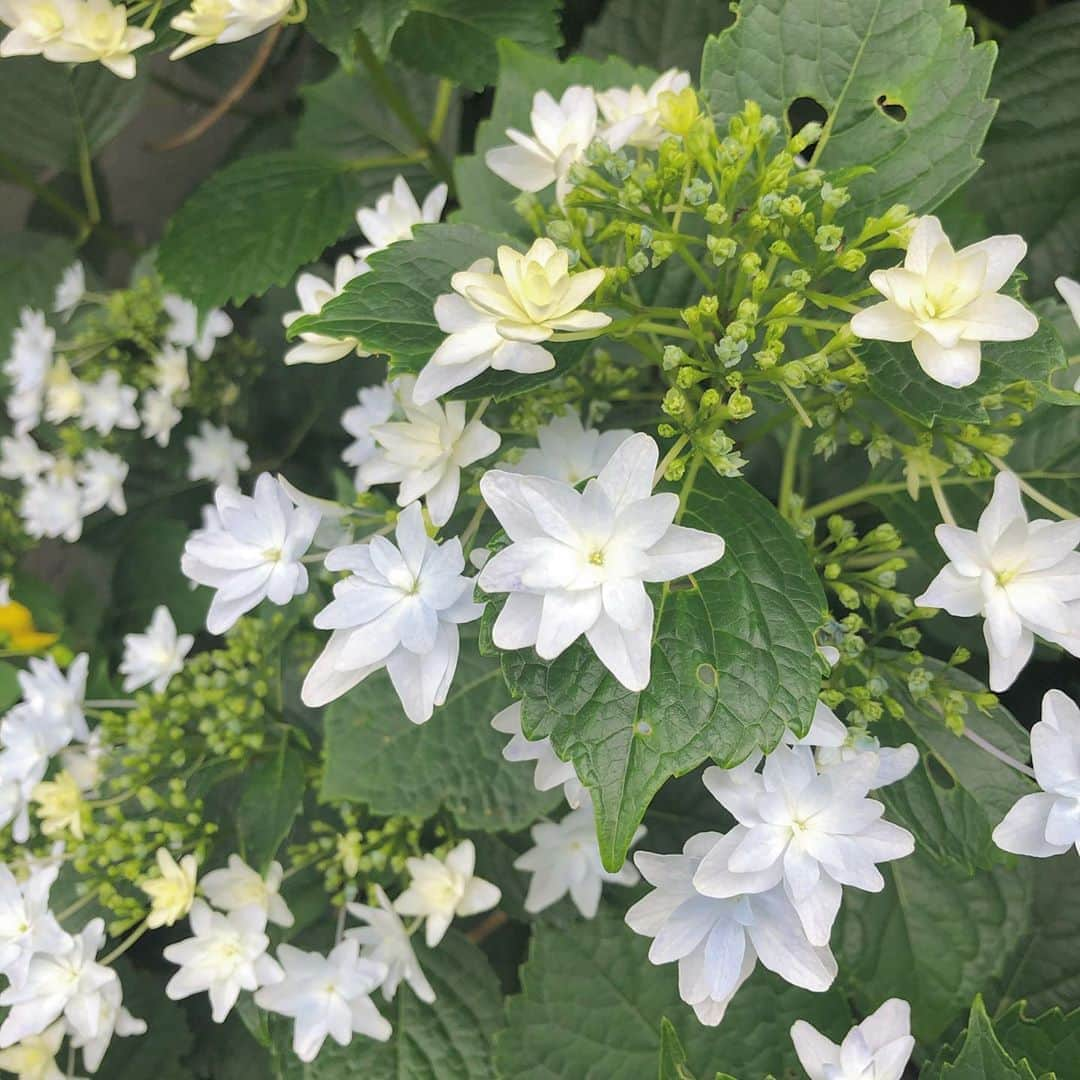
x=1033, y=493
x=669, y=457
x=444, y=95
x=124, y=945
x=787, y=470
x=25, y=179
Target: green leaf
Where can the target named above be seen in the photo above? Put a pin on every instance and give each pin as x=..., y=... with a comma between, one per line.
x=733, y=665
x=1050, y=1043
x=47, y=110
x=896, y=378
x=673, y=1064
x=391, y=308
x=659, y=35
x=273, y=793
x=982, y=1057
x=450, y=1038
x=852, y=57
x=457, y=38
x=31, y=265
x=591, y=1008
x=334, y=23
x=374, y=755
x=9, y=685
x=1030, y=183
x=263, y=217
x=484, y=198
x=933, y=937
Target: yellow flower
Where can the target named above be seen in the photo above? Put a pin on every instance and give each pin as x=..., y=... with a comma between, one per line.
x=172, y=892
x=18, y=631
x=678, y=112
x=33, y=1057
x=60, y=805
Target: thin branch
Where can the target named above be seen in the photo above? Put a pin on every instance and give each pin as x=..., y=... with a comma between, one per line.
x=493, y=922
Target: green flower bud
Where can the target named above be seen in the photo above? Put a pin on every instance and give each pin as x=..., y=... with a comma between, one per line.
x=828, y=237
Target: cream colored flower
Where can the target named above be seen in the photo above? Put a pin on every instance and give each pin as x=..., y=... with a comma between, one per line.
x=60, y=805
x=34, y=1058
x=172, y=891
x=33, y=25
x=98, y=30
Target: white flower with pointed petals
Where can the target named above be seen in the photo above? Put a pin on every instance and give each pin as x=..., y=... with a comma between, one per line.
x=1070, y=293
x=946, y=302
x=216, y=455
x=551, y=770
x=108, y=404
x=313, y=293
x=68, y=983
x=238, y=885
x=579, y=560
x=440, y=889
x=632, y=117
x=34, y=1058
x=155, y=656
x=98, y=30
x=1047, y=822
x=327, y=995
x=171, y=375
x=568, y=451
x=1022, y=577
x=377, y=404
x=184, y=328
x=51, y=506
x=34, y=24
x=499, y=321
x=426, y=450
x=566, y=859
x=113, y=1021
x=72, y=287
x=718, y=942
x=394, y=215
x=219, y=22
x=22, y=459
x=64, y=397
x=254, y=555
x=101, y=476
x=27, y=926
x=400, y=609
x=28, y=740
x=27, y=367
x=386, y=941
x=811, y=832
x=55, y=695
x=159, y=416
x=877, y=1049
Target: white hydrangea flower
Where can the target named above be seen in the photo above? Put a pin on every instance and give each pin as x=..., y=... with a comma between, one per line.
x=27, y=368
x=28, y=741
x=386, y=941
x=632, y=117
x=551, y=770
x=813, y=833
x=108, y=404
x=945, y=303
x=159, y=416
x=101, y=476
x=34, y=25
x=717, y=943
x=113, y=1021
x=569, y=451
x=184, y=328
x=27, y=926
x=51, y=506
x=72, y=287
x=219, y=22
x=34, y=1058
x=313, y=293
x=1047, y=822
x=877, y=1049
x=1022, y=577
x=440, y=889
x=327, y=995
x=153, y=657
x=224, y=955
x=22, y=459
x=57, y=696
x=98, y=30
x=63, y=393
x=500, y=320
x=377, y=404
x=425, y=451
x=238, y=885
x=578, y=561
x=394, y=215
x=400, y=608
x=69, y=983
x=216, y=455
x=254, y=555
x=565, y=859
x=171, y=375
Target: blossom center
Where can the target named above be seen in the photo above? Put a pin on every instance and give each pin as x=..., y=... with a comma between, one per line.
x=596, y=557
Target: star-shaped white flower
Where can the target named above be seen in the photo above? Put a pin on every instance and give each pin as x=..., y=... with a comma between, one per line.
x=98, y=30
x=224, y=955
x=22, y=459
x=1047, y=822
x=171, y=375
x=171, y=889
x=238, y=885
x=108, y=404
x=386, y=940
x=377, y=404
x=569, y=451
x=27, y=926
x=400, y=608
x=426, y=450
x=500, y=320
x=28, y=740
x=34, y=1058
x=255, y=554
x=394, y=215
x=578, y=561
x=216, y=455
x=551, y=770
x=632, y=117
x=72, y=287
x=101, y=476
x=313, y=293
x=27, y=367
x=327, y=995
x=440, y=889
x=52, y=506
x=565, y=859
x=159, y=416
x=220, y=22
x=155, y=656
x=113, y=1021
x=55, y=695
x=64, y=393
x=184, y=328
x=718, y=942
x=877, y=1049
x=34, y=24
x=945, y=303
x=1022, y=577
x=812, y=832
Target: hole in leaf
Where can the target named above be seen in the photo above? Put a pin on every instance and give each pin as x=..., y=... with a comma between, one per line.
x=682, y=585
x=803, y=111
x=939, y=773
x=892, y=109
x=643, y=727
x=706, y=674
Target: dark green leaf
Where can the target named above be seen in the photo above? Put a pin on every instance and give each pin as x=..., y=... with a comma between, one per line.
x=982, y=1057
x=9, y=685
x=31, y=265
x=1049, y=1043
x=853, y=57
x=733, y=666
x=273, y=792
x=334, y=23
x=673, y=1064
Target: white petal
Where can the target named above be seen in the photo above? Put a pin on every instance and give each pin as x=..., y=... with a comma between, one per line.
x=998, y=318
x=625, y=653
x=956, y=367
x=814, y=1051
x=1023, y=830
x=884, y=322
x=1003, y=255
